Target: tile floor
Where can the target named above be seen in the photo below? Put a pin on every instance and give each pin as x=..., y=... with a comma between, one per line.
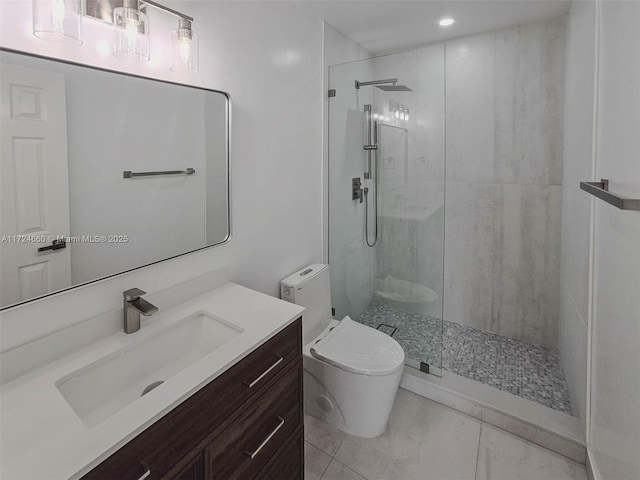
x=524, y=369
x=428, y=441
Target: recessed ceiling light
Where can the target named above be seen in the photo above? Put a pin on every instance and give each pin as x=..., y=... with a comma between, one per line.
x=445, y=22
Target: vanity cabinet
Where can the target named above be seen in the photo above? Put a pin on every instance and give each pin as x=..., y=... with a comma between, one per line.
x=247, y=423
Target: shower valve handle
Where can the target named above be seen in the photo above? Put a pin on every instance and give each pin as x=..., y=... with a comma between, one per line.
x=356, y=189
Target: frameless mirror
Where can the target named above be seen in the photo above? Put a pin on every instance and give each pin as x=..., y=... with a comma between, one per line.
x=103, y=172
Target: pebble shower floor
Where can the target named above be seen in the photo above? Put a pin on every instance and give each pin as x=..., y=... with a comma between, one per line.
x=524, y=369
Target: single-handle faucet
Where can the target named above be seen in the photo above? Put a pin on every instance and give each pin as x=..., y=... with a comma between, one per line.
x=133, y=307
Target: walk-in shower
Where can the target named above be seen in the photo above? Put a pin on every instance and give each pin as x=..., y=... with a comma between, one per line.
x=455, y=252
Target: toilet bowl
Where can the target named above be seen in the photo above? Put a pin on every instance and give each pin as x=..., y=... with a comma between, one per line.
x=351, y=371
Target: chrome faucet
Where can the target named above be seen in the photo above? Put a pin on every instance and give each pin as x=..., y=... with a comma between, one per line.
x=133, y=307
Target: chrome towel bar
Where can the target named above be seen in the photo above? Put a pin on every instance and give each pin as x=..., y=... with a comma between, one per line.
x=601, y=190
x=130, y=174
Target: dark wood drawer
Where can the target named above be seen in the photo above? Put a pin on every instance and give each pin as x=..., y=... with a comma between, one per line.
x=193, y=471
x=246, y=446
x=167, y=446
x=287, y=463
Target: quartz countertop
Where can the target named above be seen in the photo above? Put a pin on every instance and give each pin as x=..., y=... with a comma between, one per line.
x=43, y=438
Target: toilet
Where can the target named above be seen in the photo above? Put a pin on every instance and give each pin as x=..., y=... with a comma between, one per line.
x=351, y=371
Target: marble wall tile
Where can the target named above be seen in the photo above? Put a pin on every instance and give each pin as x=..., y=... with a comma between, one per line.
x=470, y=109
x=429, y=130
x=468, y=253
x=526, y=270
x=529, y=103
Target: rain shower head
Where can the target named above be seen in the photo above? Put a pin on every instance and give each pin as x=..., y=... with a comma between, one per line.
x=394, y=88
x=381, y=85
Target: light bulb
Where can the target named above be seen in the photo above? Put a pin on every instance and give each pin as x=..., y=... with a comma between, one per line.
x=131, y=31
x=58, y=13
x=185, y=50
x=184, y=47
x=132, y=36
x=397, y=114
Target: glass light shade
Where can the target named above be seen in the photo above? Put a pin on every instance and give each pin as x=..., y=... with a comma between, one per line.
x=57, y=20
x=132, y=34
x=185, y=54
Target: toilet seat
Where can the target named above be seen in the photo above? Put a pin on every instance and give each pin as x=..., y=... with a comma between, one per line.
x=358, y=348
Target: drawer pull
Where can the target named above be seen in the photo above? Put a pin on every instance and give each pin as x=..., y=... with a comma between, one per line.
x=266, y=440
x=266, y=372
x=146, y=473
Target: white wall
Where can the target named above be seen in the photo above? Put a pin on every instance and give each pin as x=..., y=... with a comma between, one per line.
x=615, y=374
x=268, y=57
x=576, y=205
x=504, y=116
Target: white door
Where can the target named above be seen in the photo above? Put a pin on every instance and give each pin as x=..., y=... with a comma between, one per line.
x=34, y=183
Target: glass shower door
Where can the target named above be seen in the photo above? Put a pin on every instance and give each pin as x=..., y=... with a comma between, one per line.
x=387, y=272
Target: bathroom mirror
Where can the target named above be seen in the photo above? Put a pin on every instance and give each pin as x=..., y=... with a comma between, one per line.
x=103, y=172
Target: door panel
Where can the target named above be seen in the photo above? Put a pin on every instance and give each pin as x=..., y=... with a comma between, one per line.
x=34, y=183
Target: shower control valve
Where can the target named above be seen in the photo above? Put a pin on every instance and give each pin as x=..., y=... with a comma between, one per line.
x=356, y=189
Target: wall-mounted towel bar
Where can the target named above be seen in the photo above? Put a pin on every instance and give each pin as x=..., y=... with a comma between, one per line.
x=130, y=174
x=601, y=190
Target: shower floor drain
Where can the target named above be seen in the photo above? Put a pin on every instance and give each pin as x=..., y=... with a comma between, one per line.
x=148, y=388
x=388, y=329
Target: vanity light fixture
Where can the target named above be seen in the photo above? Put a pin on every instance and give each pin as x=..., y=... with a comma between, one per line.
x=132, y=34
x=184, y=48
x=57, y=20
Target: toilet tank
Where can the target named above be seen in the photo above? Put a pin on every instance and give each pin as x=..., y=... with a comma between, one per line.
x=310, y=288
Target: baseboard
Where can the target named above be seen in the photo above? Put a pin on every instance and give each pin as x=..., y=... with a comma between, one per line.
x=556, y=431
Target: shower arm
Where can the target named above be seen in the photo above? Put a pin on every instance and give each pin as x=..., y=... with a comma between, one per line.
x=376, y=82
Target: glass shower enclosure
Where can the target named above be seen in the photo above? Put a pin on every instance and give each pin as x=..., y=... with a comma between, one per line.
x=386, y=198
x=458, y=143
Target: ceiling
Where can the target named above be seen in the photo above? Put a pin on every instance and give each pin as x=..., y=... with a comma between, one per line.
x=394, y=25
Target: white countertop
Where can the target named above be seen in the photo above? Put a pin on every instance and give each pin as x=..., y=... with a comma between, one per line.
x=43, y=438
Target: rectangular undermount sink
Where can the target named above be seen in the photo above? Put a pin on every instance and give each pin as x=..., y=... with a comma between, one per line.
x=101, y=389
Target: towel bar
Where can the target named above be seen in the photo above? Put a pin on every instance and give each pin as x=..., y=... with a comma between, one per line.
x=601, y=190
x=130, y=174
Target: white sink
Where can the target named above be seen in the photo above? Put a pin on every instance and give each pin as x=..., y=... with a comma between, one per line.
x=101, y=389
